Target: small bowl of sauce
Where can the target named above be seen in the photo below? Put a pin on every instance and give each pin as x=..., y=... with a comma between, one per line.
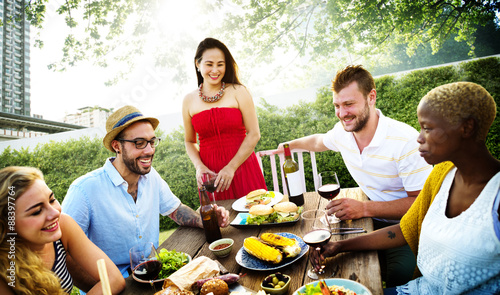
x=222, y=247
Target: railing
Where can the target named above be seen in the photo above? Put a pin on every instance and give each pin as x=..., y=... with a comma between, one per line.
x=20, y=134
x=300, y=160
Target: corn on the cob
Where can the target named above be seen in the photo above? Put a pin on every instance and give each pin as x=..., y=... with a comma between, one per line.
x=289, y=247
x=277, y=240
x=262, y=251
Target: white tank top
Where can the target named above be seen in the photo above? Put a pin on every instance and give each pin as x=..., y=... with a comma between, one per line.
x=460, y=254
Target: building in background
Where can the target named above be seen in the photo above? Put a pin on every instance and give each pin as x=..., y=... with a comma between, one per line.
x=89, y=117
x=15, y=97
x=14, y=58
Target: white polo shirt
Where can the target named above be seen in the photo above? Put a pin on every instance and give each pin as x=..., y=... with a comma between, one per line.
x=389, y=166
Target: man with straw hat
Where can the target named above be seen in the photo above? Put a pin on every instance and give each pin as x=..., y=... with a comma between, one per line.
x=124, y=198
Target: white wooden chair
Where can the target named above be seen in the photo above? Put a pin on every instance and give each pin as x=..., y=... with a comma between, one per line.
x=300, y=160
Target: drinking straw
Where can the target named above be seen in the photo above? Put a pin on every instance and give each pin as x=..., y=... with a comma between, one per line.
x=103, y=275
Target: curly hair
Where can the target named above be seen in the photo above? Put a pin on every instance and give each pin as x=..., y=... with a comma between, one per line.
x=231, y=75
x=351, y=74
x=459, y=101
x=31, y=276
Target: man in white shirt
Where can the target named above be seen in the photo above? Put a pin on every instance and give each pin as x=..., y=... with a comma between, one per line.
x=382, y=156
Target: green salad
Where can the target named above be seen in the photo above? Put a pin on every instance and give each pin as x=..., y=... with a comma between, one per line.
x=274, y=217
x=312, y=290
x=171, y=261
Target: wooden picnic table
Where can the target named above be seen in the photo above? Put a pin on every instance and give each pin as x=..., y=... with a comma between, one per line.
x=362, y=267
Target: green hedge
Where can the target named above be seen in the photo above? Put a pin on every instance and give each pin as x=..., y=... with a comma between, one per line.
x=397, y=97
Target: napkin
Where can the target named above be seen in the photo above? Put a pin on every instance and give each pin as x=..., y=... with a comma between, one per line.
x=199, y=268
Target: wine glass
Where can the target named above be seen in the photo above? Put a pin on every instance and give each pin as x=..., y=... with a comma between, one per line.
x=144, y=261
x=329, y=188
x=316, y=238
x=208, y=181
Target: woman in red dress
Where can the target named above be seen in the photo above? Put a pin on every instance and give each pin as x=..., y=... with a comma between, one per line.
x=221, y=112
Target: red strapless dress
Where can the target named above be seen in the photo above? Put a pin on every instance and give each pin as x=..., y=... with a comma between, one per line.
x=221, y=132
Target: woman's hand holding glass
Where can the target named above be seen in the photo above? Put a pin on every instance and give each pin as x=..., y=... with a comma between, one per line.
x=208, y=181
x=318, y=235
x=200, y=172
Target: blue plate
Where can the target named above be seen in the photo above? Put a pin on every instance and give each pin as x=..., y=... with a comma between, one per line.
x=244, y=259
x=348, y=284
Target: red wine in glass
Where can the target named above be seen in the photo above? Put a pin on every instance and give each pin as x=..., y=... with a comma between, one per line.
x=329, y=188
x=317, y=238
x=148, y=271
x=208, y=182
x=329, y=185
x=144, y=261
x=329, y=191
x=209, y=186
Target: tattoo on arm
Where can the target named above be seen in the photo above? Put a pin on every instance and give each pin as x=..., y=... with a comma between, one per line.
x=392, y=235
x=186, y=216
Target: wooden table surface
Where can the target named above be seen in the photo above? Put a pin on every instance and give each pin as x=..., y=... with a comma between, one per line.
x=362, y=267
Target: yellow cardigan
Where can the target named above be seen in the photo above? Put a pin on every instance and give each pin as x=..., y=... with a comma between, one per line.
x=411, y=223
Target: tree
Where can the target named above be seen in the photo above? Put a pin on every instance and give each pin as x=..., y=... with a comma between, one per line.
x=121, y=31
x=486, y=44
x=346, y=30
x=326, y=32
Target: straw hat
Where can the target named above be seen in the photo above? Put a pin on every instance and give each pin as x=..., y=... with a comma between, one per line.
x=120, y=120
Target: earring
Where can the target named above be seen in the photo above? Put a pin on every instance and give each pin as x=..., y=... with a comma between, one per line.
x=117, y=152
x=198, y=69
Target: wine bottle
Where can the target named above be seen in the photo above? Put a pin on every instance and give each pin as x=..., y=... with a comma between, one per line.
x=209, y=217
x=292, y=178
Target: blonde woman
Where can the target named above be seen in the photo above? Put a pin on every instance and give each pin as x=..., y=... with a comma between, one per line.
x=35, y=238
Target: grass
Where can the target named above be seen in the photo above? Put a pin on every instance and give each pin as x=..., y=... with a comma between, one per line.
x=163, y=236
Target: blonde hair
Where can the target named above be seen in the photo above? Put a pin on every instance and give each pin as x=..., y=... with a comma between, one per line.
x=459, y=101
x=31, y=276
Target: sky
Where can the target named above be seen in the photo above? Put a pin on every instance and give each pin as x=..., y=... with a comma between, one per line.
x=55, y=94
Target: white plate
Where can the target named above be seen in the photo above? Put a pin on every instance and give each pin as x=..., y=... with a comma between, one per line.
x=243, y=258
x=348, y=284
x=239, y=205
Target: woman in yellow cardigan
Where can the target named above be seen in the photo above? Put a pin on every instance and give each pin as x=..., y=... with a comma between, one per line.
x=454, y=226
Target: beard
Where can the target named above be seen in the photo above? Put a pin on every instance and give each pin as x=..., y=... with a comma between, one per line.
x=131, y=163
x=360, y=122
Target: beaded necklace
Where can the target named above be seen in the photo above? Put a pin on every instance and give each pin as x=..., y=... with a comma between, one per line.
x=212, y=98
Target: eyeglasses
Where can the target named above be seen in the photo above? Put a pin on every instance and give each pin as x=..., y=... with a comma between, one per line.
x=141, y=143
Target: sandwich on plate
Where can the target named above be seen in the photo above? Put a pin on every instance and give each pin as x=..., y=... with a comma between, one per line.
x=257, y=197
x=259, y=214
x=287, y=211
